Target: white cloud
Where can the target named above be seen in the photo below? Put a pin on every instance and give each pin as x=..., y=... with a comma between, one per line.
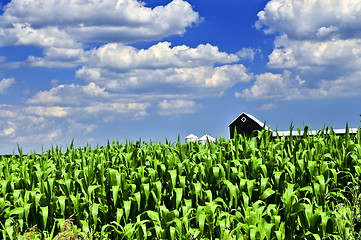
x=117, y=109
x=228, y=75
x=270, y=85
x=248, y=53
x=91, y=100
x=288, y=87
x=25, y=34
x=76, y=127
x=45, y=136
x=267, y=85
x=319, y=42
x=58, y=123
x=23, y=125
x=118, y=67
x=343, y=86
x=130, y=65
x=53, y=111
x=122, y=81
x=8, y=131
x=205, y=80
x=325, y=31
x=312, y=19
x=343, y=53
x=59, y=57
x=319, y=63
x=54, y=82
x=69, y=95
x=282, y=57
x=114, y=66
x=6, y=113
x=120, y=57
x=66, y=111
x=43, y=23
x=5, y=84
x=268, y=106
x=123, y=58
x=177, y=106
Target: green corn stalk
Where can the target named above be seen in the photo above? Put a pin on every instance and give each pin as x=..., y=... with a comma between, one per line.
x=243, y=188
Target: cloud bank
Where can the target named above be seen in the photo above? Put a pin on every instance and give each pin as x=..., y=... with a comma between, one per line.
x=112, y=79
x=43, y=23
x=318, y=42
x=5, y=84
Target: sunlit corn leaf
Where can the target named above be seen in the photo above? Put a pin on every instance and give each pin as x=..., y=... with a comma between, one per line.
x=244, y=188
x=127, y=205
x=45, y=213
x=267, y=193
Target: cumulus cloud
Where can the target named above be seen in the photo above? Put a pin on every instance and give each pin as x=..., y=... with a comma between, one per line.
x=59, y=57
x=22, y=125
x=91, y=100
x=65, y=111
x=248, y=53
x=286, y=86
x=121, y=81
x=56, y=115
x=343, y=86
x=293, y=53
x=25, y=34
x=5, y=84
x=76, y=127
x=8, y=130
x=117, y=109
x=43, y=23
x=114, y=65
x=118, y=67
x=70, y=94
x=318, y=42
x=161, y=55
x=120, y=57
x=312, y=19
x=318, y=63
x=53, y=111
x=268, y=106
x=203, y=80
x=269, y=85
x=177, y=106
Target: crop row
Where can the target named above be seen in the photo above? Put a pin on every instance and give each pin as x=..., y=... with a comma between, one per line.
x=244, y=188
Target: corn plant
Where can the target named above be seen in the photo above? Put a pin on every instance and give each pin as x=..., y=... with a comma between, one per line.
x=296, y=187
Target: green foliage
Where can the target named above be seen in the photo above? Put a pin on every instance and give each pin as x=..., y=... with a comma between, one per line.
x=300, y=187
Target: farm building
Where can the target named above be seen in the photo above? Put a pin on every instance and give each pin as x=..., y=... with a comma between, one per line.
x=246, y=124
x=191, y=138
x=202, y=140
x=206, y=138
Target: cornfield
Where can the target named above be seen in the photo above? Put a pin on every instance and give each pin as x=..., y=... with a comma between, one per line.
x=301, y=187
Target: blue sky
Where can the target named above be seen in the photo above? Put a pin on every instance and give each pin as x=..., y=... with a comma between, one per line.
x=125, y=69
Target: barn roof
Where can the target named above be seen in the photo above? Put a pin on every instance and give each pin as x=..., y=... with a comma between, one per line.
x=294, y=133
x=314, y=132
x=251, y=117
x=206, y=137
x=191, y=138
